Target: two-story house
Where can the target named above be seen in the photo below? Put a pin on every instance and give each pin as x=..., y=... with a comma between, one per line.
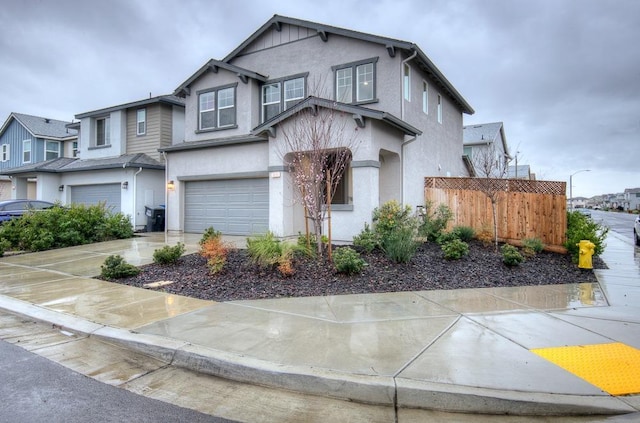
x=117, y=160
x=231, y=172
x=632, y=198
x=25, y=140
x=485, y=146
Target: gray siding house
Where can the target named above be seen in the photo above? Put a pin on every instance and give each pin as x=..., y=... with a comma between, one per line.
x=27, y=139
x=230, y=170
x=485, y=141
x=117, y=160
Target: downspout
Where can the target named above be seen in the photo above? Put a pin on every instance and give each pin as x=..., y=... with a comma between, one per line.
x=413, y=56
x=135, y=196
x=166, y=192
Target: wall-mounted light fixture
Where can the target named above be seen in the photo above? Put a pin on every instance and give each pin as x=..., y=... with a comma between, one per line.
x=61, y=188
x=171, y=185
x=125, y=185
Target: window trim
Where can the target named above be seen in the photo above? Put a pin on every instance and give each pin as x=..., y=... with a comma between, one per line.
x=75, y=148
x=406, y=82
x=143, y=122
x=354, y=80
x=439, y=108
x=107, y=131
x=24, y=150
x=425, y=97
x=282, y=82
x=5, y=153
x=51, y=151
x=216, y=109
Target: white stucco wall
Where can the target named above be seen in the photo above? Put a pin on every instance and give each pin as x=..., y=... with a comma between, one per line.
x=118, y=136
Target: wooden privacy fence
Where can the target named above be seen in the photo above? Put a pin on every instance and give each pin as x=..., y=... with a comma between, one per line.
x=525, y=209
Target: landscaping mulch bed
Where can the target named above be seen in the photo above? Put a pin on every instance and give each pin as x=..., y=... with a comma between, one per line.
x=427, y=270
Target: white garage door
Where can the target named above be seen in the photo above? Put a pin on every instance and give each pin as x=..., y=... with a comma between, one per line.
x=94, y=194
x=233, y=207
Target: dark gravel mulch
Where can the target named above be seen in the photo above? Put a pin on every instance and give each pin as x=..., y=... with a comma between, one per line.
x=428, y=270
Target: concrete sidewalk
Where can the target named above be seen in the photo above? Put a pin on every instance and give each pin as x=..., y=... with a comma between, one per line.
x=472, y=351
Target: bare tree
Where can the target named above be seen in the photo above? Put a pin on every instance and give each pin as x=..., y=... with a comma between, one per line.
x=491, y=168
x=317, y=147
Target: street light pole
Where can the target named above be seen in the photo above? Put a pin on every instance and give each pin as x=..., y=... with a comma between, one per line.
x=571, y=187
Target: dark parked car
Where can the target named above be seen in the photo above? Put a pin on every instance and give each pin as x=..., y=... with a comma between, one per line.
x=636, y=231
x=10, y=209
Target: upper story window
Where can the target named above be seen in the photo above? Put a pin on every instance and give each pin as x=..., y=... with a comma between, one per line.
x=406, y=82
x=217, y=108
x=26, y=151
x=5, y=152
x=141, y=122
x=355, y=82
x=439, y=108
x=51, y=150
x=74, y=149
x=425, y=97
x=103, y=131
x=281, y=95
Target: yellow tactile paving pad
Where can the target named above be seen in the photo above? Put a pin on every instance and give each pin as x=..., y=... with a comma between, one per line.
x=614, y=368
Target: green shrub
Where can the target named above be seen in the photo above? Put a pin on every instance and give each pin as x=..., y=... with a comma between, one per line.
x=167, y=254
x=532, y=246
x=264, y=250
x=390, y=217
x=115, y=267
x=4, y=246
x=464, y=233
x=400, y=244
x=367, y=239
x=215, y=251
x=580, y=227
x=348, y=261
x=60, y=227
x=434, y=220
x=455, y=249
x=511, y=256
x=208, y=234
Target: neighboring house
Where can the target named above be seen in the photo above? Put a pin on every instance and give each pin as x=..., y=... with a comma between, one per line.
x=25, y=140
x=578, y=202
x=482, y=143
x=632, y=198
x=520, y=172
x=117, y=160
x=231, y=172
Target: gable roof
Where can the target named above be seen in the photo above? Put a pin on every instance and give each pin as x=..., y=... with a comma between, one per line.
x=68, y=164
x=484, y=133
x=358, y=113
x=41, y=127
x=632, y=191
x=390, y=44
x=212, y=66
x=166, y=99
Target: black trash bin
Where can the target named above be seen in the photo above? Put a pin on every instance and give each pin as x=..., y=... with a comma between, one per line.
x=155, y=218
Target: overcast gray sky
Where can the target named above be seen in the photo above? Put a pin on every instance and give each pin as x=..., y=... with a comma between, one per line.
x=563, y=75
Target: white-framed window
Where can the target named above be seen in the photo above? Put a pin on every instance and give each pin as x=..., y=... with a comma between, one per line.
x=406, y=82
x=5, y=152
x=26, y=151
x=281, y=95
x=439, y=108
x=217, y=108
x=74, y=149
x=425, y=97
x=103, y=131
x=141, y=121
x=51, y=149
x=364, y=88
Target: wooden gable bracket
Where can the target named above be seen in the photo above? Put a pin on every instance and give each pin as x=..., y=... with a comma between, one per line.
x=359, y=120
x=278, y=26
x=271, y=131
x=185, y=90
x=243, y=77
x=323, y=35
x=213, y=68
x=391, y=50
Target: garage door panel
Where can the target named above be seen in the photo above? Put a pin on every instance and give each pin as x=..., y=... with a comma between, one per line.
x=233, y=207
x=110, y=194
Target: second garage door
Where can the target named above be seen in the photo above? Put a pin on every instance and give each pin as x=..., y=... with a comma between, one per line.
x=94, y=194
x=233, y=207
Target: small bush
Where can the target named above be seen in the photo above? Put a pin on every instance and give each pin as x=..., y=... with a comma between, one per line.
x=167, y=254
x=400, y=245
x=285, y=261
x=215, y=251
x=5, y=245
x=511, y=256
x=534, y=244
x=208, y=234
x=115, y=267
x=455, y=249
x=486, y=237
x=367, y=239
x=264, y=250
x=464, y=233
x=307, y=245
x=580, y=227
x=390, y=217
x=446, y=237
x=348, y=261
x=434, y=221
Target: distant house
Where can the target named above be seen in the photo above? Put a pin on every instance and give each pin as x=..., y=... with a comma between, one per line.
x=29, y=140
x=632, y=198
x=230, y=171
x=520, y=172
x=117, y=160
x=485, y=143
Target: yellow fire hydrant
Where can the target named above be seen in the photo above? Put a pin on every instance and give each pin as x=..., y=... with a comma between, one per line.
x=586, y=253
